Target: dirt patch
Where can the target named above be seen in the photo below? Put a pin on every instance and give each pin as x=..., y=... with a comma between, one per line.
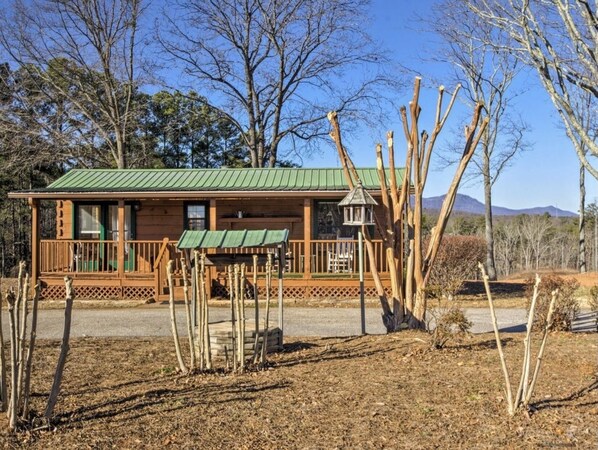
x=587, y=279
x=366, y=392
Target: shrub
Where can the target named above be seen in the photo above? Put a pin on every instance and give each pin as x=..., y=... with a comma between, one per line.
x=594, y=298
x=456, y=262
x=594, y=303
x=450, y=323
x=566, y=307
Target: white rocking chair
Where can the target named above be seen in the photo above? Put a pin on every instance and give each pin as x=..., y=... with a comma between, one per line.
x=341, y=258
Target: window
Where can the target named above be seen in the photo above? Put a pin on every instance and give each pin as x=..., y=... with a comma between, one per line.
x=329, y=221
x=196, y=216
x=89, y=222
x=100, y=222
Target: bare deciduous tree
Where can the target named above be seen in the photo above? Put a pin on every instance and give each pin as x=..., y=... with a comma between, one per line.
x=558, y=39
x=278, y=66
x=527, y=379
x=81, y=55
x=590, y=120
x=486, y=76
x=408, y=301
x=507, y=246
x=533, y=233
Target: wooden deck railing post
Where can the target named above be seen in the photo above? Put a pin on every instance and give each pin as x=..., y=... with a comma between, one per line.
x=35, y=243
x=307, y=269
x=121, y=240
x=158, y=266
x=211, y=270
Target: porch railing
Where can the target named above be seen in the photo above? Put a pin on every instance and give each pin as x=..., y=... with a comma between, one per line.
x=334, y=256
x=62, y=256
x=145, y=257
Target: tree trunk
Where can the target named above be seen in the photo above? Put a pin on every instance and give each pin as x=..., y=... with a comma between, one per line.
x=490, y=265
x=29, y=360
x=417, y=320
x=12, y=406
x=64, y=349
x=188, y=312
x=582, y=219
x=175, y=333
x=120, y=150
x=3, y=387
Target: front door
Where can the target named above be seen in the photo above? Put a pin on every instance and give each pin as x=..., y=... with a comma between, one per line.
x=99, y=222
x=112, y=233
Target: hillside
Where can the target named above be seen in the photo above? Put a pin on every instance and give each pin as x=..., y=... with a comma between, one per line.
x=469, y=205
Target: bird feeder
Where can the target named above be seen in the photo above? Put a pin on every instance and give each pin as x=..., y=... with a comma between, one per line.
x=358, y=207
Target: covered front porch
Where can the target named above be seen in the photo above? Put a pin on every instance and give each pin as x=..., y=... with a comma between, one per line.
x=314, y=268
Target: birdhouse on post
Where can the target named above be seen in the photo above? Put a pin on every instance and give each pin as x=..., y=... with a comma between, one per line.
x=358, y=207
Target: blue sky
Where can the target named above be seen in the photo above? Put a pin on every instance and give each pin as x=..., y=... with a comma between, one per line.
x=547, y=174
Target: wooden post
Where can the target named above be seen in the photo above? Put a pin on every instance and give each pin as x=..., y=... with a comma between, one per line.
x=307, y=232
x=238, y=332
x=212, y=270
x=157, y=268
x=200, y=307
x=34, y=241
x=281, y=263
x=198, y=296
x=264, y=349
x=256, y=310
x=242, y=284
x=231, y=294
x=121, y=240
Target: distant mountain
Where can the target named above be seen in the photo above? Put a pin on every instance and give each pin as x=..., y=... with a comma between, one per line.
x=469, y=205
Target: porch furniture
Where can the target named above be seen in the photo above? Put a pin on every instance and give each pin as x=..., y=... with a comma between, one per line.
x=340, y=259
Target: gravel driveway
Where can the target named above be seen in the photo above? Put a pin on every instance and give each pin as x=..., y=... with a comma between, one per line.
x=154, y=320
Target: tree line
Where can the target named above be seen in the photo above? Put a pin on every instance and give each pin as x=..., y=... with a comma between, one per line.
x=39, y=142
x=527, y=243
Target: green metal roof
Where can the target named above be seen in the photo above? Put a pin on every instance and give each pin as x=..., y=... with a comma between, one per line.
x=165, y=180
x=232, y=238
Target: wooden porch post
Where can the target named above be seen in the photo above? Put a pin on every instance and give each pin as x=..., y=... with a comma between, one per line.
x=213, y=217
x=212, y=214
x=281, y=265
x=307, y=221
x=121, y=240
x=34, y=203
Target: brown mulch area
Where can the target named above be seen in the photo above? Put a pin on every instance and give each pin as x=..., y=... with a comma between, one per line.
x=498, y=288
x=364, y=392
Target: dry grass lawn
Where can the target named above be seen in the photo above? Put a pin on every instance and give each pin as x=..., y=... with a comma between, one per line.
x=364, y=392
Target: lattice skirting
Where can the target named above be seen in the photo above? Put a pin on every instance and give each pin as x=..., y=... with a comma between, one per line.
x=99, y=292
x=301, y=292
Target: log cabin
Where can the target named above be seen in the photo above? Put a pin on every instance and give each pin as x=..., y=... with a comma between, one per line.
x=117, y=228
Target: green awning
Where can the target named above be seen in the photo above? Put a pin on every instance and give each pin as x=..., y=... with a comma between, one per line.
x=232, y=238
